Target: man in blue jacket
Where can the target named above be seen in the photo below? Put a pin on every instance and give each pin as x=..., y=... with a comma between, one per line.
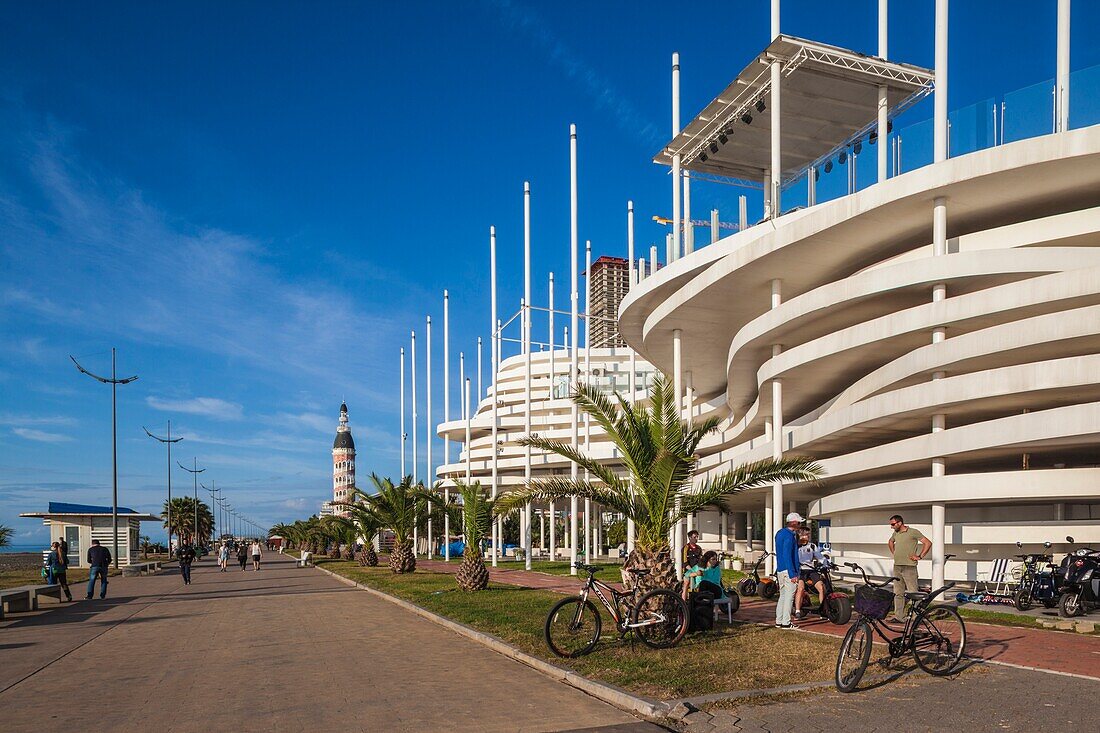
x=786, y=568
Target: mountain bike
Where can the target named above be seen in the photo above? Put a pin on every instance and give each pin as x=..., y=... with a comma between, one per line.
x=659, y=617
x=935, y=635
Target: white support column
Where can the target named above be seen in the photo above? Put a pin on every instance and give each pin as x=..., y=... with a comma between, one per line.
x=748, y=532
x=494, y=349
x=939, y=421
x=939, y=115
x=776, y=167
x=403, y=436
x=525, y=317
x=715, y=235
x=675, y=159
x=573, y=322
x=777, y=423
x=742, y=213
x=542, y=531
x=1061, y=76
x=769, y=535
x=883, y=103
x=689, y=229
x=446, y=419
x=939, y=521
x=678, y=391
x=430, y=469
x=415, y=416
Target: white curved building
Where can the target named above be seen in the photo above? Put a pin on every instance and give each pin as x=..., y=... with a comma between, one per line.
x=933, y=339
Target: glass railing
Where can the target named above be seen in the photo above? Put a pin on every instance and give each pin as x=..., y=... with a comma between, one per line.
x=1018, y=115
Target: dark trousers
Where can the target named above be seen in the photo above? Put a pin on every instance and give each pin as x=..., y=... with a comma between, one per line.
x=709, y=587
x=243, y=560
x=60, y=579
x=99, y=571
x=185, y=571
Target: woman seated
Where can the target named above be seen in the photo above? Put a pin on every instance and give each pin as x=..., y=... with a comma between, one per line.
x=706, y=576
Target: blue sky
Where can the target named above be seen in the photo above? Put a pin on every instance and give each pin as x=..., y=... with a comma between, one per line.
x=255, y=202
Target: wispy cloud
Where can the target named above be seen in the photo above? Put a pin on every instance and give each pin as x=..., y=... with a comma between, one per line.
x=8, y=418
x=207, y=406
x=41, y=435
x=520, y=18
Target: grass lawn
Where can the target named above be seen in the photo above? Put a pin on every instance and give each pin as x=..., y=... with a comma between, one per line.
x=33, y=576
x=736, y=657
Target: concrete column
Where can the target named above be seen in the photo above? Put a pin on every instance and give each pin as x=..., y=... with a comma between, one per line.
x=553, y=532
x=939, y=517
x=748, y=530
x=883, y=37
x=777, y=426
x=769, y=536
x=939, y=421
x=1061, y=77
x=939, y=115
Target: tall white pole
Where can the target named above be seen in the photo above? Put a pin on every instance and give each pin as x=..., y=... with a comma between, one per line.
x=678, y=390
x=403, y=436
x=552, y=508
x=633, y=280
x=776, y=136
x=466, y=411
x=939, y=130
x=526, y=318
x=494, y=356
x=675, y=157
x=574, y=417
x=689, y=229
x=631, y=379
x=588, y=544
x=415, y=416
x=1061, y=76
x=430, y=480
x=883, y=37
x=461, y=381
x=480, y=386
x=446, y=419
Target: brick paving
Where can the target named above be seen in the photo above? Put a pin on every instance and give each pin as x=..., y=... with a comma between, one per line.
x=1034, y=648
x=283, y=649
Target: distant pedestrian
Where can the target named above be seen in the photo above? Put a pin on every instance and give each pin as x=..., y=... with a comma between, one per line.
x=908, y=546
x=786, y=569
x=59, y=564
x=99, y=560
x=242, y=554
x=223, y=557
x=186, y=556
x=256, y=555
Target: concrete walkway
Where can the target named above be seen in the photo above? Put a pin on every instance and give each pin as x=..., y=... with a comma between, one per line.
x=283, y=649
x=1051, y=651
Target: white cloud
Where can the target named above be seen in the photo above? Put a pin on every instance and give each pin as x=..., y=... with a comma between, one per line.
x=40, y=435
x=8, y=418
x=208, y=406
x=296, y=503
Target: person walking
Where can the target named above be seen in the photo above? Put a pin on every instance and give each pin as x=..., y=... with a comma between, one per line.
x=223, y=557
x=186, y=556
x=786, y=569
x=99, y=560
x=242, y=555
x=59, y=564
x=256, y=555
x=908, y=546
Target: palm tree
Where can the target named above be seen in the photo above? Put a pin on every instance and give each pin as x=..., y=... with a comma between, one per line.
x=5, y=535
x=397, y=507
x=146, y=543
x=183, y=519
x=367, y=527
x=659, y=460
x=477, y=514
x=342, y=531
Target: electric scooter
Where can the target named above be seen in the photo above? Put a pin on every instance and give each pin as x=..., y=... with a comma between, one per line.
x=1041, y=581
x=835, y=606
x=766, y=585
x=1081, y=587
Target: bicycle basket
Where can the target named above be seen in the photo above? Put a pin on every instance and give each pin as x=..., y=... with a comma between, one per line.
x=873, y=602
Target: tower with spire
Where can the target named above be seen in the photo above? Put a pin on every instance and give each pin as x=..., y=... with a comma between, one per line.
x=343, y=462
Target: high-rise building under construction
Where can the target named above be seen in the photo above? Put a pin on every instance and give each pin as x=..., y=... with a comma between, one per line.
x=609, y=280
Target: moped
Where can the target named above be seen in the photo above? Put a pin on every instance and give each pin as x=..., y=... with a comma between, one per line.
x=765, y=585
x=1041, y=581
x=836, y=606
x=1081, y=586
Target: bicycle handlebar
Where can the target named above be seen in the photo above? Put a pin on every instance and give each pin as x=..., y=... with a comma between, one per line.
x=866, y=580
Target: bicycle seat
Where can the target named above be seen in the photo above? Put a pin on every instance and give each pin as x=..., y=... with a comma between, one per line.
x=638, y=571
x=914, y=595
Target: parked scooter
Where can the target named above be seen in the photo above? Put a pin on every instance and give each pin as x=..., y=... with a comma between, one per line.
x=1081, y=587
x=765, y=585
x=1041, y=581
x=835, y=606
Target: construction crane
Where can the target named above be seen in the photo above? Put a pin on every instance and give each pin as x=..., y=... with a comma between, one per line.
x=699, y=223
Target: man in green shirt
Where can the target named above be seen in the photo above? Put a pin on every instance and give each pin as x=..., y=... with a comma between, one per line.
x=908, y=546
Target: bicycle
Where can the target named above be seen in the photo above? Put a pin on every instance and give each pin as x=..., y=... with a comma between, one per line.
x=659, y=617
x=935, y=635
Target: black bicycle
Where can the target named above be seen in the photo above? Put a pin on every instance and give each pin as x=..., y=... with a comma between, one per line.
x=659, y=617
x=935, y=635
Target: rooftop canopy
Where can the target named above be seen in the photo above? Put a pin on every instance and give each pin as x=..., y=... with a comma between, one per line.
x=64, y=509
x=828, y=99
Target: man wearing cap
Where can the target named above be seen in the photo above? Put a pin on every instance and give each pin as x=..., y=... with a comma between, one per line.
x=786, y=569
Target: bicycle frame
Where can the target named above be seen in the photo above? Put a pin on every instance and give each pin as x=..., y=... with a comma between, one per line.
x=626, y=598
x=899, y=645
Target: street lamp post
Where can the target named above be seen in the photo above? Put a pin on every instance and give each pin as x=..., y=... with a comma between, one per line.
x=167, y=441
x=195, y=473
x=213, y=512
x=114, y=382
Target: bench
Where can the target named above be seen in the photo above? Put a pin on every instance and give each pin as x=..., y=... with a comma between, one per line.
x=304, y=561
x=140, y=568
x=25, y=597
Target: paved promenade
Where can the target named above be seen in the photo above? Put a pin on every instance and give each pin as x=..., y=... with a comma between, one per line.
x=283, y=649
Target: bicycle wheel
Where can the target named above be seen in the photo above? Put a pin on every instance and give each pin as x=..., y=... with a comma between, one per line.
x=660, y=619
x=855, y=653
x=939, y=640
x=747, y=586
x=572, y=627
